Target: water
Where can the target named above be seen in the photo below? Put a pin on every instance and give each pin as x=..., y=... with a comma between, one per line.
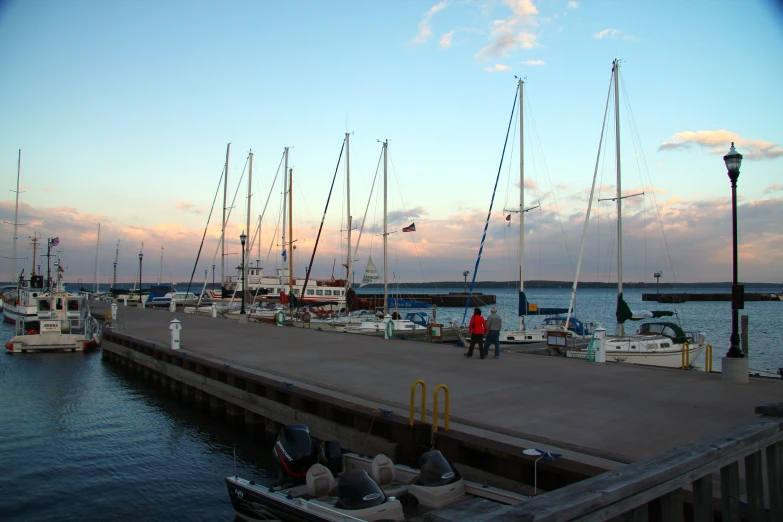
x=765, y=328
x=84, y=440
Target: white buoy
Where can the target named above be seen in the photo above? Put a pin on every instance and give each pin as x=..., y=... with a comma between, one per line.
x=175, y=328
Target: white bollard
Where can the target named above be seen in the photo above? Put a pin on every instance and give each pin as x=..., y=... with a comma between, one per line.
x=175, y=328
x=113, y=312
x=214, y=310
x=172, y=306
x=600, y=345
x=124, y=301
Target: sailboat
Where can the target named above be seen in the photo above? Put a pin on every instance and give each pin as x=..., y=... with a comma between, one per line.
x=554, y=321
x=661, y=343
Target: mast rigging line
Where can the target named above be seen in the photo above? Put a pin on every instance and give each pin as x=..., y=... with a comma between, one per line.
x=214, y=200
x=489, y=213
x=315, y=247
x=263, y=212
x=367, y=208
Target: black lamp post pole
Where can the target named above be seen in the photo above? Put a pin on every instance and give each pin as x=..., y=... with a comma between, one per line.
x=213, y=277
x=140, y=257
x=733, y=160
x=243, y=238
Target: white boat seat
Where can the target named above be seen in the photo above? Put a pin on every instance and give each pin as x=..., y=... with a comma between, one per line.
x=320, y=481
x=383, y=473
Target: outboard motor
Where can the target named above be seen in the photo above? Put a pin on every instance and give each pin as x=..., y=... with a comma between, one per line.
x=329, y=455
x=356, y=490
x=434, y=469
x=293, y=451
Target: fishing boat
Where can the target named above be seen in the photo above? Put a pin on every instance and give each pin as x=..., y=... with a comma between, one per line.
x=655, y=343
x=65, y=324
x=318, y=483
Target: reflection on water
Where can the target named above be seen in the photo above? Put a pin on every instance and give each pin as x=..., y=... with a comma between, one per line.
x=83, y=440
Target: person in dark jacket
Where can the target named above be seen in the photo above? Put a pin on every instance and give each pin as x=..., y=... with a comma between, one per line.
x=494, y=322
x=477, y=327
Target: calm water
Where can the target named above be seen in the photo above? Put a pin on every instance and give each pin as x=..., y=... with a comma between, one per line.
x=83, y=440
x=765, y=326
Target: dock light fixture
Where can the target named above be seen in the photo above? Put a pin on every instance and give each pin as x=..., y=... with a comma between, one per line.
x=657, y=275
x=733, y=160
x=243, y=238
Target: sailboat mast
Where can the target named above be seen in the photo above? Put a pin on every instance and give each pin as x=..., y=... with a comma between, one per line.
x=348, y=205
x=385, y=231
x=95, y=272
x=522, y=298
x=291, y=234
x=223, y=231
x=160, y=269
x=16, y=218
x=249, y=194
x=285, y=188
x=616, y=70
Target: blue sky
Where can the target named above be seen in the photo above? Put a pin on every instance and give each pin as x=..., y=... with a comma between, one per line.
x=123, y=111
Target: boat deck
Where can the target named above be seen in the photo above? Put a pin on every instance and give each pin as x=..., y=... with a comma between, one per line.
x=600, y=414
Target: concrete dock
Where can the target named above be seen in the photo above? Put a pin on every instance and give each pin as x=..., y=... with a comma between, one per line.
x=599, y=413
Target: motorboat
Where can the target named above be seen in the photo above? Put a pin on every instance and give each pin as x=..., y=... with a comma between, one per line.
x=65, y=324
x=318, y=483
x=19, y=302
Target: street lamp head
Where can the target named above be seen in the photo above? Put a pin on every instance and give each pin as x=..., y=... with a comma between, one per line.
x=733, y=160
x=140, y=255
x=243, y=238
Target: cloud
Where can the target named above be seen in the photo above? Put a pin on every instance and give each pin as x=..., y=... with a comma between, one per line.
x=187, y=207
x=718, y=141
x=398, y=216
x=498, y=67
x=507, y=35
x=775, y=187
x=425, y=26
x=573, y=5
x=445, y=40
x=533, y=62
x=611, y=33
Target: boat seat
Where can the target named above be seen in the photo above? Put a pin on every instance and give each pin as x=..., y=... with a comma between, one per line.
x=320, y=481
x=383, y=473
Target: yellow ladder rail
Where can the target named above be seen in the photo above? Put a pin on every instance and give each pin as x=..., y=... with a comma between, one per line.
x=435, y=408
x=686, y=356
x=423, y=400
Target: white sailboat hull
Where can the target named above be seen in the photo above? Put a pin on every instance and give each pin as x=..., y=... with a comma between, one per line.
x=669, y=358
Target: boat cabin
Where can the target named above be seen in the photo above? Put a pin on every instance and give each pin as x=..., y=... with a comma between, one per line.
x=670, y=330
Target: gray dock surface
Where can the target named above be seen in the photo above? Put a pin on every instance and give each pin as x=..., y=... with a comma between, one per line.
x=603, y=414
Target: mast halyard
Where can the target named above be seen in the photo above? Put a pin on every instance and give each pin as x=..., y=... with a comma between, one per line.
x=282, y=229
x=223, y=226
x=620, y=331
x=291, y=237
x=385, y=231
x=522, y=297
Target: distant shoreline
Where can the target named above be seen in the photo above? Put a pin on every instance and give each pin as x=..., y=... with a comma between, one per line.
x=566, y=284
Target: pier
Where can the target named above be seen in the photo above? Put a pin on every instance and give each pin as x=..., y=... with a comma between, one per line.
x=451, y=299
x=681, y=297
x=357, y=390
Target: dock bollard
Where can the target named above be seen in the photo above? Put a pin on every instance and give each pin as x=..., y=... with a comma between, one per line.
x=114, y=312
x=124, y=301
x=214, y=310
x=600, y=344
x=172, y=306
x=175, y=328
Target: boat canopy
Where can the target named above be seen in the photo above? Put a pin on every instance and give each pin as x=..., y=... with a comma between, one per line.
x=671, y=330
x=527, y=308
x=574, y=324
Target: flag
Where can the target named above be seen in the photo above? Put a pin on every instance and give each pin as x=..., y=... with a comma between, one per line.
x=508, y=218
x=54, y=242
x=284, y=256
x=411, y=228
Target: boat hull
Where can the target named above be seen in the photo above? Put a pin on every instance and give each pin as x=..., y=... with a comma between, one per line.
x=663, y=359
x=50, y=343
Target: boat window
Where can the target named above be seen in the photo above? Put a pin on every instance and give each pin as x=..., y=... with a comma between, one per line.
x=327, y=292
x=44, y=304
x=665, y=345
x=668, y=332
x=319, y=292
x=59, y=304
x=73, y=305
x=296, y=291
x=311, y=292
x=633, y=347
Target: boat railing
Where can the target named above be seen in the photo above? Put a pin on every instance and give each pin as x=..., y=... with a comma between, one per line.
x=747, y=459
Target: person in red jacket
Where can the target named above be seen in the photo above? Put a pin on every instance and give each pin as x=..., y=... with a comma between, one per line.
x=477, y=327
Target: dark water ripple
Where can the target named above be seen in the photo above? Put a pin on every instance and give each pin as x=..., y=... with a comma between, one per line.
x=81, y=439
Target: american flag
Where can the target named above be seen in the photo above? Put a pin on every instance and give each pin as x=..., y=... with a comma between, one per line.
x=411, y=228
x=54, y=242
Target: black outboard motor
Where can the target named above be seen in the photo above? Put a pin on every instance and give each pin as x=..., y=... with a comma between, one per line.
x=435, y=470
x=329, y=455
x=294, y=451
x=356, y=490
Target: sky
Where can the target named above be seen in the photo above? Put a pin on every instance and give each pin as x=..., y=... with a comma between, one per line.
x=123, y=111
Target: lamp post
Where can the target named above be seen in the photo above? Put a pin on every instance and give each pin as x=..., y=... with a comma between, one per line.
x=141, y=255
x=465, y=275
x=213, y=277
x=733, y=160
x=243, y=238
x=657, y=276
